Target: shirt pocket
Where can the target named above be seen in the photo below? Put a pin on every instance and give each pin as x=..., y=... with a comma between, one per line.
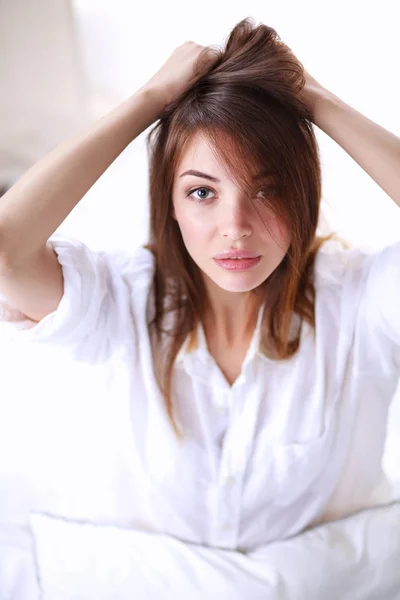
x=295, y=467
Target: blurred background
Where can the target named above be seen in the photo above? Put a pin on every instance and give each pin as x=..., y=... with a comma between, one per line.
x=65, y=63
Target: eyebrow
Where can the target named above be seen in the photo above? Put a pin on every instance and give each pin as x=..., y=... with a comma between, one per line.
x=216, y=180
x=200, y=174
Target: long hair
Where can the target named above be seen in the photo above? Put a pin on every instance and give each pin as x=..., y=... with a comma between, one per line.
x=249, y=106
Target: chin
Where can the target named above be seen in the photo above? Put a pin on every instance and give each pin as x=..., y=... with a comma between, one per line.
x=237, y=282
x=238, y=289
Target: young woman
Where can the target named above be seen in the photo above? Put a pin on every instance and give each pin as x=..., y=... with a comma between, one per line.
x=251, y=364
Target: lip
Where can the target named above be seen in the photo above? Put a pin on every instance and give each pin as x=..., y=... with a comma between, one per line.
x=235, y=254
x=237, y=265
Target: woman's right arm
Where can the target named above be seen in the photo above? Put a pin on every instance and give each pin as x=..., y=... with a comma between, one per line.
x=32, y=210
x=31, y=277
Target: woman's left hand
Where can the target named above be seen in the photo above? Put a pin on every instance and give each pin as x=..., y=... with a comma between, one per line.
x=312, y=93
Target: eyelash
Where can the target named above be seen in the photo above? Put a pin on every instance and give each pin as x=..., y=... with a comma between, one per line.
x=271, y=190
x=199, y=200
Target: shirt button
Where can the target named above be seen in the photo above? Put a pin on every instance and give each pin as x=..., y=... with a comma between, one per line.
x=227, y=527
x=230, y=481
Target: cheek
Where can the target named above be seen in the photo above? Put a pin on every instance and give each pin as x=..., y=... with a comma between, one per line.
x=192, y=226
x=275, y=228
x=283, y=234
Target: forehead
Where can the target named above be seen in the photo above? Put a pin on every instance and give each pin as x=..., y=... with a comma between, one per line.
x=199, y=152
x=223, y=157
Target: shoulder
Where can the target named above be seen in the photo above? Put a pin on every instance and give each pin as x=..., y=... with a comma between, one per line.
x=335, y=263
x=100, y=289
x=134, y=266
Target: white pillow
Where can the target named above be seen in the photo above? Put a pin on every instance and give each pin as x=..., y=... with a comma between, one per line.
x=356, y=558
x=18, y=577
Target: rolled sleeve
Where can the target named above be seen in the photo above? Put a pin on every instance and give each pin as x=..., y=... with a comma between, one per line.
x=83, y=306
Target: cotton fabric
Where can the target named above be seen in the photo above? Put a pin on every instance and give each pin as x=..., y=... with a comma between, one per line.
x=289, y=445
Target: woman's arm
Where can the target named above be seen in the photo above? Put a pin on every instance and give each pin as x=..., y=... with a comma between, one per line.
x=41, y=200
x=375, y=149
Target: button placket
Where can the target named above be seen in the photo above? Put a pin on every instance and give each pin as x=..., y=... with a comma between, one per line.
x=228, y=500
x=222, y=400
x=234, y=458
x=229, y=510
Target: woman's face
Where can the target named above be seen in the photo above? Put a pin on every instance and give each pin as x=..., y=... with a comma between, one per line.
x=213, y=217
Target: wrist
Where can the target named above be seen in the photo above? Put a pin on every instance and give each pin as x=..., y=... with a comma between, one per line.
x=156, y=96
x=323, y=100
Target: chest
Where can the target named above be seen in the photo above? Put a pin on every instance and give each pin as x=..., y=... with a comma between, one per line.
x=229, y=360
x=257, y=447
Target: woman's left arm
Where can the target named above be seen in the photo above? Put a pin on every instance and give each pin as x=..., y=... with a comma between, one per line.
x=375, y=149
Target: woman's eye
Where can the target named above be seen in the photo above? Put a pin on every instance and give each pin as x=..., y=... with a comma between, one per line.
x=203, y=191
x=266, y=192
x=200, y=194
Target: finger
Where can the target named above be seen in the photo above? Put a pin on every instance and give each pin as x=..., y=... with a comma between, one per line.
x=206, y=60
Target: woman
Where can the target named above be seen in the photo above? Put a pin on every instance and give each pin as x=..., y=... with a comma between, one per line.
x=249, y=366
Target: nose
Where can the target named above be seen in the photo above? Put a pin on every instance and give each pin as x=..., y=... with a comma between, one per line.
x=234, y=220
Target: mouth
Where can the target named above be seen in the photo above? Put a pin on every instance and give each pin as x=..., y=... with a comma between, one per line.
x=237, y=264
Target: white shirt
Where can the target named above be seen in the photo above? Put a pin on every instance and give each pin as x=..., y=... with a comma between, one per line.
x=289, y=445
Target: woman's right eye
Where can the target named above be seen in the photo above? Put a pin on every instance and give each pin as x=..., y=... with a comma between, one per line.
x=199, y=189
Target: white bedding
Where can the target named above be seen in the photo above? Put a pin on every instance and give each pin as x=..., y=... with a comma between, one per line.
x=356, y=558
x=18, y=572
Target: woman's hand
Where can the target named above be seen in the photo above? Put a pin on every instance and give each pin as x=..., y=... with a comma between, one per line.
x=183, y=68
x=312, y=93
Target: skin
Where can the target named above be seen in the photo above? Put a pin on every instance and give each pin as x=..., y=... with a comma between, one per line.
x=225, y=220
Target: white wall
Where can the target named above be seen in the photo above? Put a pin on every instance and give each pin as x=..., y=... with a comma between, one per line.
x=44, y=96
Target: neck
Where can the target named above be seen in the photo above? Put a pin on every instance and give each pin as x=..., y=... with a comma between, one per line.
x=232, y=317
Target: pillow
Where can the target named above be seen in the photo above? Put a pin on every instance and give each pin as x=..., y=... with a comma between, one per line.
x=18, y=578
x=356, y=558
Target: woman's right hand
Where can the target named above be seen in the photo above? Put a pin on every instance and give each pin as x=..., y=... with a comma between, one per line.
x=183, y=68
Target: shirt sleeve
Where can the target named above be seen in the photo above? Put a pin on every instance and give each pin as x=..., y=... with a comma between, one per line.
x=368, y=301
x=93, y=295
x=379, y=308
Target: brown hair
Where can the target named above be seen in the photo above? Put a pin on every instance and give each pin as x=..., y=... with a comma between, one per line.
x=249, y=106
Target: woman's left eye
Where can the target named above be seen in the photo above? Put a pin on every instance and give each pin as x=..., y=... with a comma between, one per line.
x=266, y=192
x=200, y=189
